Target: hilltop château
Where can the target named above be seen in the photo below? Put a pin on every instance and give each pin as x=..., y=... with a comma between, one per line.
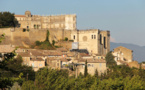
x=67, y=22
x=95, y=41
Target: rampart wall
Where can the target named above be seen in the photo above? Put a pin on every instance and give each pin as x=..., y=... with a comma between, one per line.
x=19, y=38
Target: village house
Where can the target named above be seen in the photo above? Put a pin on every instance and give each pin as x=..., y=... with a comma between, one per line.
x=93, y=65
x=37, y=63
x=25, y=57
x=58, y=63
x=5, y=49
x=122, y=55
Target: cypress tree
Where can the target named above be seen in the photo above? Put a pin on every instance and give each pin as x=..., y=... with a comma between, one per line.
x=47, y=36
x=86, y=69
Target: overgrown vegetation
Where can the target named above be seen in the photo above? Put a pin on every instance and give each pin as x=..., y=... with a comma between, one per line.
x=118, y=78
x=45, y=44
x=12, y=70
x=110, y=59
x=65, y=39
x=7, y=19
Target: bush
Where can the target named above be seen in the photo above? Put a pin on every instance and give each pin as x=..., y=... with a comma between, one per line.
x=24, y=30
x=28, y=30
x=38, y=43
x=71, y=40
x=53, y=42
x=66, y=39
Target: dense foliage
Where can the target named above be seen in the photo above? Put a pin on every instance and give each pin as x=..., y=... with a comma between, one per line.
x=118, y=78
x=45, y=44
x=11, y=70
x=7, y=19
x=110, y=59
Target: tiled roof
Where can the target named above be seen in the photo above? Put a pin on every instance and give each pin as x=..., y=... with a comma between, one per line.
x=19, y=50
x=71, y=54
x=34, y=52
x=64, y=60
x=84, y=55
x=36, y=59
x=24, y=54
x=62, y=49
x=55, y=53
x=6, y=48
x=93, y=61
x=19, y=15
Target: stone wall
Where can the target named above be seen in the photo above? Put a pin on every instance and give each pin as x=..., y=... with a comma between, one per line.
x=19, y=38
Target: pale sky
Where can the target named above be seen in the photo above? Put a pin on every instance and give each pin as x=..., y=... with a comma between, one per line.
x=125, y=19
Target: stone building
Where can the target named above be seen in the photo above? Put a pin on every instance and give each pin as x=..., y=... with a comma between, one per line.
x=67, y=22
x=93, y=65
x=122, y=55
x=95, y=41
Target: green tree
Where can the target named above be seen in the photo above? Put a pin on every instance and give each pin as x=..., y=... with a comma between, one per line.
x=86, y=69
x=53, y=42
x=7, y=19
x=96, y=73
x=110, y=59
x=38, y=43
x=66, y=39
x=47, y=36
x=28, y=85
x=49, y=79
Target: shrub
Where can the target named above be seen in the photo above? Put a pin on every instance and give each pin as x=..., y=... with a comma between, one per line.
x=24, y=30
x=28, y=30
x=71, y=40
x=53, y=42
x=66, y=39
x=38, y=43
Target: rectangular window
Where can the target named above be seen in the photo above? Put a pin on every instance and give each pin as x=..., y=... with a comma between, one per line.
x=89, y=65
x=104, y=42
x=92, y=36
x=74, y=36
x=100, y=39
x=40, y=64
x=32, y=64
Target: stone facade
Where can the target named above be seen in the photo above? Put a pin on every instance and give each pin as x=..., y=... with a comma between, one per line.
x=95, y=41
x=122, y=54
x=67, y=22
x=93, y=65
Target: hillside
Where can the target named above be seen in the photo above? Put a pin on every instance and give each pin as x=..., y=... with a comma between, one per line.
x=138, y=51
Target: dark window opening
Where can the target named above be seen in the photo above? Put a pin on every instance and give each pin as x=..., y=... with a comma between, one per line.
x=27, y=26
x=104, y=42
x=74, y=36
x=100, y=39
x=92, y=36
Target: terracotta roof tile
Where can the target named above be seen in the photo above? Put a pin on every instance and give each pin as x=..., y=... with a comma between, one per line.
x=6, y=48
x=19, y=15
x=93, y=61
x=24, y=54
x=36, y=59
